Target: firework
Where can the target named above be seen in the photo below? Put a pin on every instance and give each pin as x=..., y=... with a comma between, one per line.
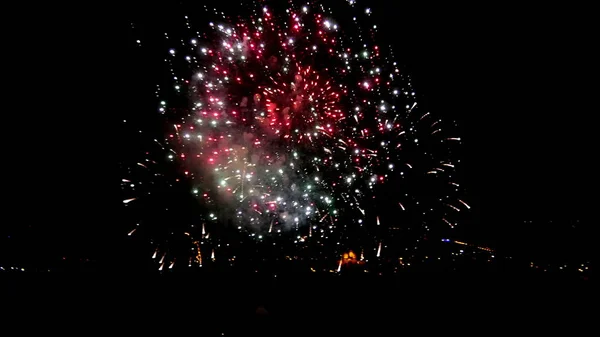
x=287, y=123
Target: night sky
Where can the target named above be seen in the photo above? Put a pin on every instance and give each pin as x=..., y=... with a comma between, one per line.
x=513, y=77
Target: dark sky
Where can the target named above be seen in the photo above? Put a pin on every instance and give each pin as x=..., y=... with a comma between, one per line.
x=513, y=79
x=513, y=76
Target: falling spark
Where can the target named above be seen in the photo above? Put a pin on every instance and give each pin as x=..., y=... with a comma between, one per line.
x=448, y=222
x=464, y=203
x=453, y=207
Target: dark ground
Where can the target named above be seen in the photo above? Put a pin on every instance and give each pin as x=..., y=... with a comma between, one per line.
x=241, y=305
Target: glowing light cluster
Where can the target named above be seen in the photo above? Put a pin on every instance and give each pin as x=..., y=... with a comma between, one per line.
x=300, y=124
